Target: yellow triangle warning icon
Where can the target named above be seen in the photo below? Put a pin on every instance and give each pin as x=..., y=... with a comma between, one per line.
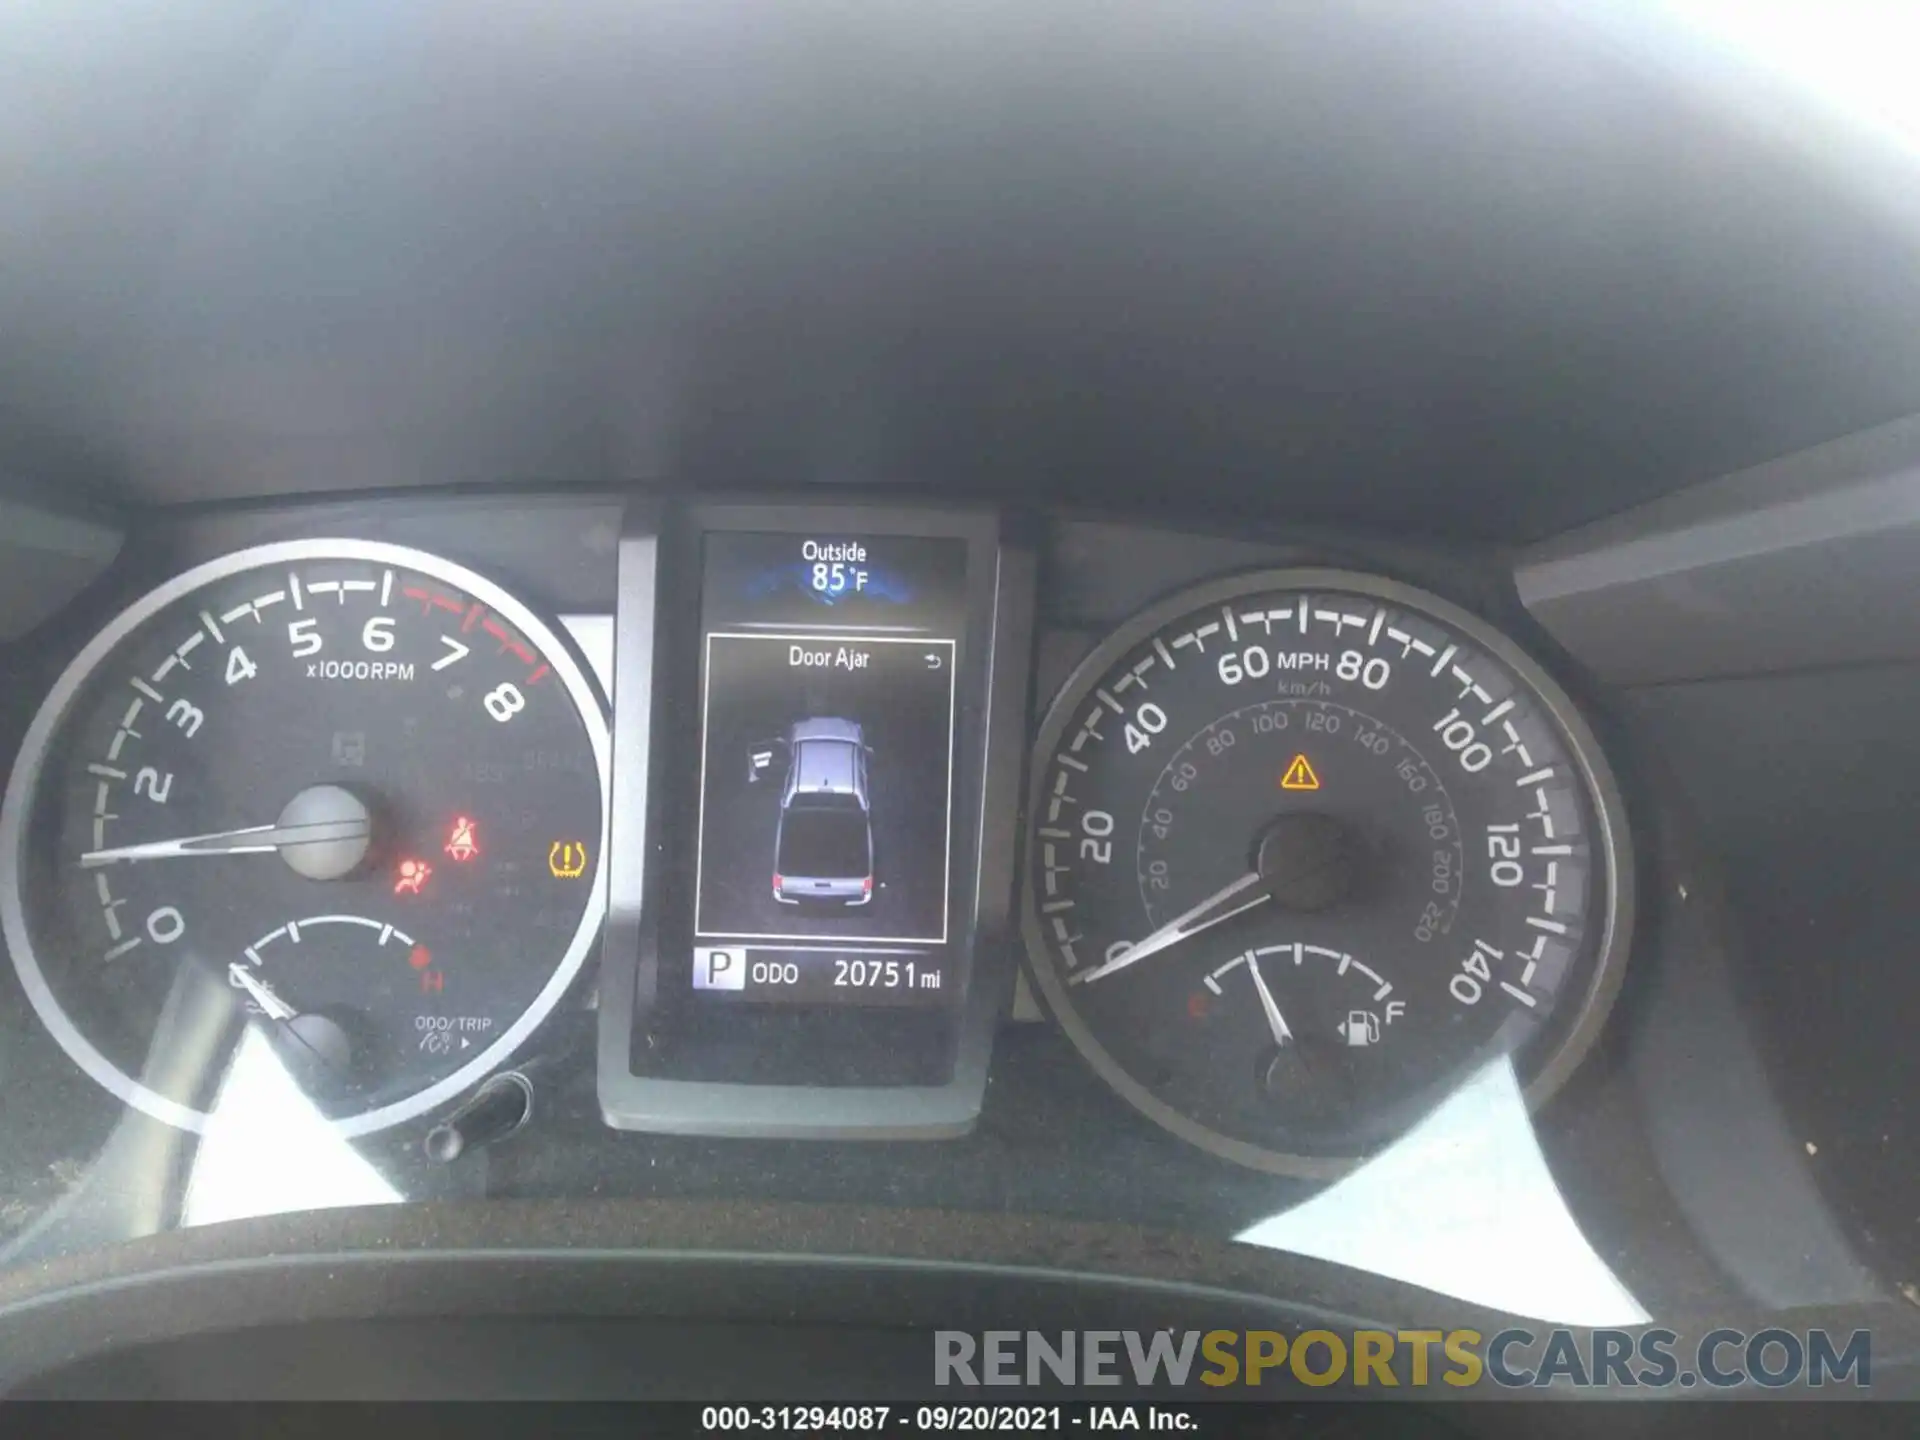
x=1299, y=776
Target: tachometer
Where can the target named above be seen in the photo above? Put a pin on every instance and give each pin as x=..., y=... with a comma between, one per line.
x=1306, y=848
x=342, y=795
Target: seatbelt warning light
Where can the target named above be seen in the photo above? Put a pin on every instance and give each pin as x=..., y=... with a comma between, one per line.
x=462, y=843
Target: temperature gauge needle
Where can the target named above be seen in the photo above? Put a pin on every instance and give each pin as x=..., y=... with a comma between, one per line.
x=1276, y=1022
x=275, y=1007
x=316, y=1048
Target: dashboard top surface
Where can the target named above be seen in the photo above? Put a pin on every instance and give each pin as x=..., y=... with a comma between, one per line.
x=1252, y=250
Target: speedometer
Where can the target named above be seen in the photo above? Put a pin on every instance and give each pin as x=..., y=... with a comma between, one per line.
x=1306, y=849
x=339, y=799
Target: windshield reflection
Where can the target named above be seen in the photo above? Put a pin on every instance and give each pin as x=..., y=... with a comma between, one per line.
x=1465, y=1205
x=266, y=1149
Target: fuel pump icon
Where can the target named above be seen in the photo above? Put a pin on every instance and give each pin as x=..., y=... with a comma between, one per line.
x=1361, y=1027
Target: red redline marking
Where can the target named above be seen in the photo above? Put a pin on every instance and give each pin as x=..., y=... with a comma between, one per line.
x=491, y=626
x=507, y=642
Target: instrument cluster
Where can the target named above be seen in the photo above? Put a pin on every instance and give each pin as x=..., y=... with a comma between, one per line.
x=807, y=806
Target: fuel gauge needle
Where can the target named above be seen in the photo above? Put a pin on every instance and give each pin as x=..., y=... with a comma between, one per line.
x=1276, y=1022
x=275, y=1007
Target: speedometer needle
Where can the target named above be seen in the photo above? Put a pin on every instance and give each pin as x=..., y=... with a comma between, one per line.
x=1223, y=904
x=1276, y=1022
x=254, y=840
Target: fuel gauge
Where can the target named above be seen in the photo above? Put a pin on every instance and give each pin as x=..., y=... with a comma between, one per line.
x=1332, y=1022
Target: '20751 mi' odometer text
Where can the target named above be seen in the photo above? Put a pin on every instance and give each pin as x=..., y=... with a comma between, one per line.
x=1308, y=848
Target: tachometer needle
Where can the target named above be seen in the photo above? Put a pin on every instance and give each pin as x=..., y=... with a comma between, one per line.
x=1276, y=1022
x=275, y=1007
x=254, y=840
x=1222, y=905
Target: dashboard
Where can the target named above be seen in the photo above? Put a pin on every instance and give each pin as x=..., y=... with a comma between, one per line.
x=992, y=697
x=702, y=850
x=386, y=788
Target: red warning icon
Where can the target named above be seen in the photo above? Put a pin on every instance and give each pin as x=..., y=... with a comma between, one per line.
x=462, y=844
x=1300, y=776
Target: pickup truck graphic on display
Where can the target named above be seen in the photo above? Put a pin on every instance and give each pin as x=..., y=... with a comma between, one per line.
x=823, y=840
